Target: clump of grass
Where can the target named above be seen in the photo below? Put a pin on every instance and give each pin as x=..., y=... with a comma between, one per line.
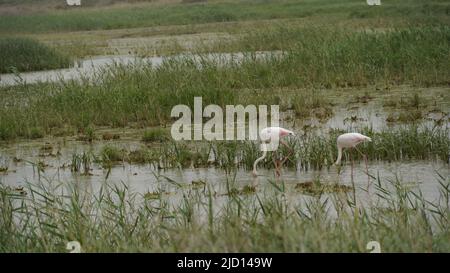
x=111, y=154
x=247, y=189
x=227, y=154
x=110, y=136
x=313, y=103
x=152, y=195
x=404, y=143
x=198, y=184
x=405, y=117
x=155, y=135
x=201, y=156
x=390, y=102
x=88, y=134
x=25, y=54
x=40, y=166
x=362, y=99
x=75, y=164
x=180, y=155
x=46, y=148
x=36, y=132
x=410, y=142
x=15, y=191
x=415, y=101
x=317, y=188
x=143, y=156
x=81, y=161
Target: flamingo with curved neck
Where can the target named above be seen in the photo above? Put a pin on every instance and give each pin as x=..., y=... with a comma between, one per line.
x=350, y=141
x=266, y=135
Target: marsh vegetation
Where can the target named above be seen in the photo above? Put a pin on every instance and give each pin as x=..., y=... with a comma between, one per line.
x=91, y=159
x=18, y=54
x=117, y=219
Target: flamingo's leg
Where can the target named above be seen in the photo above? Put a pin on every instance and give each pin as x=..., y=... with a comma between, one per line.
x=353, y=182
x=291, y=151
x=367, y=167
x=275, y=163
x=278, y=169
x=351, y=163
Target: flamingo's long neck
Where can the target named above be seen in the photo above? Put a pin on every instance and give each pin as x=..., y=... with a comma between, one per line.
x=338, y=161
x=257, y=161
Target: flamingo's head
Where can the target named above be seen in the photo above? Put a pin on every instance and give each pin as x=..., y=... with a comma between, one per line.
x=285, y=132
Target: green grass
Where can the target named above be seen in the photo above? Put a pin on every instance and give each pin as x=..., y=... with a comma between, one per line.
x=44, y=217
x=404, y=143
x=24, y=54
x=35, y=133
x=343, y=58
x=60, y=4
x=310, y=151
x=111, y=154
x=315, y=58
x=81, y=162
x=141, y=156
x=155, y=135
x=313, y=103
x=130, y=16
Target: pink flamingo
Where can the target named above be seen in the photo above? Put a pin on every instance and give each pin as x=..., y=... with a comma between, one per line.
x=350, y=141
x=267, y=135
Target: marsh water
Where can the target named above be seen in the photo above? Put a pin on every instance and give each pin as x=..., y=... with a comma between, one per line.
x=21, y=161
x=87, y=68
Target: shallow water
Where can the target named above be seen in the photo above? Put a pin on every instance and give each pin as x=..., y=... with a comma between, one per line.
x=416, y=175
x=86, y=69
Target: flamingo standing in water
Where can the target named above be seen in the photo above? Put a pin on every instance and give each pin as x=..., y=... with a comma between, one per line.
x=267, y=135
x=350, y=141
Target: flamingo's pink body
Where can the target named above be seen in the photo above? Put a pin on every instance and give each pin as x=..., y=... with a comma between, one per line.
x=273, y=132
x=349, y=140
x=266, y=135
